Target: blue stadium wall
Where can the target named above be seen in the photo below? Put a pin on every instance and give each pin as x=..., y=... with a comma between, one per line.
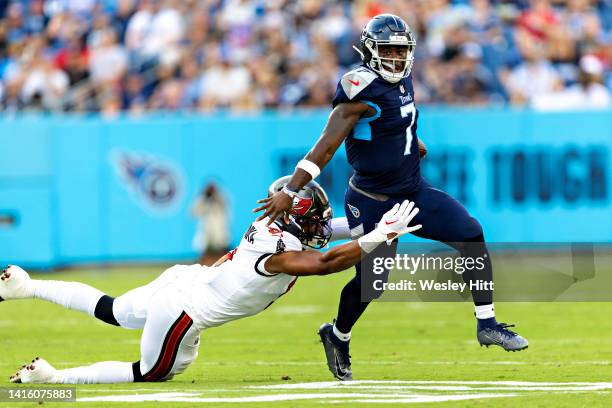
x=87, y=189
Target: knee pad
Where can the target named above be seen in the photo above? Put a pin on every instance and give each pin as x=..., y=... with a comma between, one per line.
x=130, y=309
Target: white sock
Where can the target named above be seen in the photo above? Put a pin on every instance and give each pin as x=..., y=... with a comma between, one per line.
x=340, y=335
x=106, y=372
x=485, y=311
x=72, y=295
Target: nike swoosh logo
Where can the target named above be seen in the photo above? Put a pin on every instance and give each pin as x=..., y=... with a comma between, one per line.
x=496, y=339
x=389, y=223
x=356, y=83
x=338, y=366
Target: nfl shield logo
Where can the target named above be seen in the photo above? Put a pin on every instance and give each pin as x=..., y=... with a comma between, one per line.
x=402, y=90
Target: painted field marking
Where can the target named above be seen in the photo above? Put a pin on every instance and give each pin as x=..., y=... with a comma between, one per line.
x=360, y=383
x=534, y=363
x=424, y=398
x=352, y=397
x=362, y=391
x=384, y=363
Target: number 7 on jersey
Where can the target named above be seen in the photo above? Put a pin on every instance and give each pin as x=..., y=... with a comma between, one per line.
x=408, y=110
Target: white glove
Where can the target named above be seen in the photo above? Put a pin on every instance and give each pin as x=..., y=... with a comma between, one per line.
x=394, y=223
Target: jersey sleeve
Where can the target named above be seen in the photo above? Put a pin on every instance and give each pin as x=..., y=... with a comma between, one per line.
x=340, y=229
x=265, y=241
x=355, y=85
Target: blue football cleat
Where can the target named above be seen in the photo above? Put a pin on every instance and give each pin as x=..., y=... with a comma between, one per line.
x=499, y=335
x=338, y=358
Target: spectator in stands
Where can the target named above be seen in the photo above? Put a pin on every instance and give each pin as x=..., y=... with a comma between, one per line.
x=45, y=85
x=73, y=59
x=472, y=82
x=225, y=84
x=133, y=96
x=588, y=93
x=534, y=76
x=190, y=74
x=287, y=53
x=108, y=61
x=121, y=18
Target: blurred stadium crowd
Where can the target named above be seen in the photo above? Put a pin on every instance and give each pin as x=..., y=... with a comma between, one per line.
x=200, y=55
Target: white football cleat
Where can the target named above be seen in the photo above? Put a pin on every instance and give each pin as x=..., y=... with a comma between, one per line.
x=39, y=371
x=15, y=283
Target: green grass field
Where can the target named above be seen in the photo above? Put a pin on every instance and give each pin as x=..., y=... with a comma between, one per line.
x=410, y=352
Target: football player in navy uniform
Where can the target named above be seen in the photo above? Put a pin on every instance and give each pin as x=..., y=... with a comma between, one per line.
x=375, y=116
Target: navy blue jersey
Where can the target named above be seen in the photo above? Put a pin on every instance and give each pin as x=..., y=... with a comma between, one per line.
x=382, y=149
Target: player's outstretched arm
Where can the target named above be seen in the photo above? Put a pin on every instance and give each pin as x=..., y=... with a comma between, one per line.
x=304, y=263
x=394, y=223
x=339, y=125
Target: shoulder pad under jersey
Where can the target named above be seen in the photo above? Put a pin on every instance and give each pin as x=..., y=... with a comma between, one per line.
x=355, y=81
x=270, y=239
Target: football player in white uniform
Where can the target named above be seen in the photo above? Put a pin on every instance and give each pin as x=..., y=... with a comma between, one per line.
x=184, y=300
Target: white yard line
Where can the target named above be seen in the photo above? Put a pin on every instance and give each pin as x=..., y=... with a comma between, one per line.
x=425, y=398
x=381, y=384
x=357, y=397
x=364, y=363
x=546, y=363
x=364, y=391
x=379, y=362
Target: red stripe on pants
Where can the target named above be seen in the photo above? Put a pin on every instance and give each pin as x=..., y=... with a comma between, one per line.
x=164, y=364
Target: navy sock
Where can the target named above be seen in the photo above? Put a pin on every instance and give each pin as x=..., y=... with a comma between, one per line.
x=342, y=345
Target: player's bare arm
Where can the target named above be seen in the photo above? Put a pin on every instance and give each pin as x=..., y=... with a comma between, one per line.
x=312, y=262
x=339, y=125
x=394, y=223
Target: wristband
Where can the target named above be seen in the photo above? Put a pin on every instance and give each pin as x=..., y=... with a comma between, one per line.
x=289, y=192
x=309, y=167
x=371, y=240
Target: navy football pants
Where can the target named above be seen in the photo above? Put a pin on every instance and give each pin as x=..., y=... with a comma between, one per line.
x=443, y=219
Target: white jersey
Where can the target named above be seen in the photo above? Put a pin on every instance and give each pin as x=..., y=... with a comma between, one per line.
x=240, y=286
